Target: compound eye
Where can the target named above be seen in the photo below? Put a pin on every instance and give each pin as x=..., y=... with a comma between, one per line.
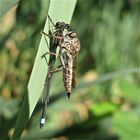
x=67, y=26
x=58, y=24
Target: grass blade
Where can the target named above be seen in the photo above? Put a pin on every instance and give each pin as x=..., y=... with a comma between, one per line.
x=59, y=10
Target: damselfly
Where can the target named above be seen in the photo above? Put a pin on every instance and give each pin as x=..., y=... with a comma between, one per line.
x=55, y=39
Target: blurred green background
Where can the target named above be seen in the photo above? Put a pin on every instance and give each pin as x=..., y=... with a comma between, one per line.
x=104, y=106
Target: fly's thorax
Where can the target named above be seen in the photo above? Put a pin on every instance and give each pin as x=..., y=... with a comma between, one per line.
x=71, y=44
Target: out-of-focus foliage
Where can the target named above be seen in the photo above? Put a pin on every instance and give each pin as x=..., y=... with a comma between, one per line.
x=5, y=5
x=110, y=41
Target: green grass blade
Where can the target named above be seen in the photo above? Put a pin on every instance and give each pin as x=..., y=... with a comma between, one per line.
x=59, y=10
x=6, y=5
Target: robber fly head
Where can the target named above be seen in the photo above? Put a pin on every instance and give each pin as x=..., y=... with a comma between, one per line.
x=62, y=25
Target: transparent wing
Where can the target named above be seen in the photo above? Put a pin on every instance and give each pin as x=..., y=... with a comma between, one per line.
x=74, y=73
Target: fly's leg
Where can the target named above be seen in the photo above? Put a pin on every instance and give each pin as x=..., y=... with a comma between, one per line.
x=62, y=61
x=51, y=35
x=44, y=56
x=51, y=53
x=54, y=70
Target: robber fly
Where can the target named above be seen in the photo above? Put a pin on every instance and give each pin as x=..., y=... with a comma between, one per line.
x=55, y=40
x=69, y=49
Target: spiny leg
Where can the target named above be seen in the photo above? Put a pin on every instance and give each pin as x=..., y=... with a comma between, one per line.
x=50, y=30
x=54, y=70
x=42, y=32
x=50, y=34
x=44, y=56
x=51, y=53
x=57, y=37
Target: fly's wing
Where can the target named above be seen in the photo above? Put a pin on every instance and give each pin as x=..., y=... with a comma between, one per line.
x=74, y=73
x=77, y=45
x=64, y=53
x=75, y=49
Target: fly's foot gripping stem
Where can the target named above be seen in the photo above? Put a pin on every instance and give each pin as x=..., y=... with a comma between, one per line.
x=51, y=53
x=52, y=35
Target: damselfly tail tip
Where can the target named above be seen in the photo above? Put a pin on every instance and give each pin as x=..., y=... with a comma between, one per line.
x=42, y=122
x=68, y=94
x=41, y=125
